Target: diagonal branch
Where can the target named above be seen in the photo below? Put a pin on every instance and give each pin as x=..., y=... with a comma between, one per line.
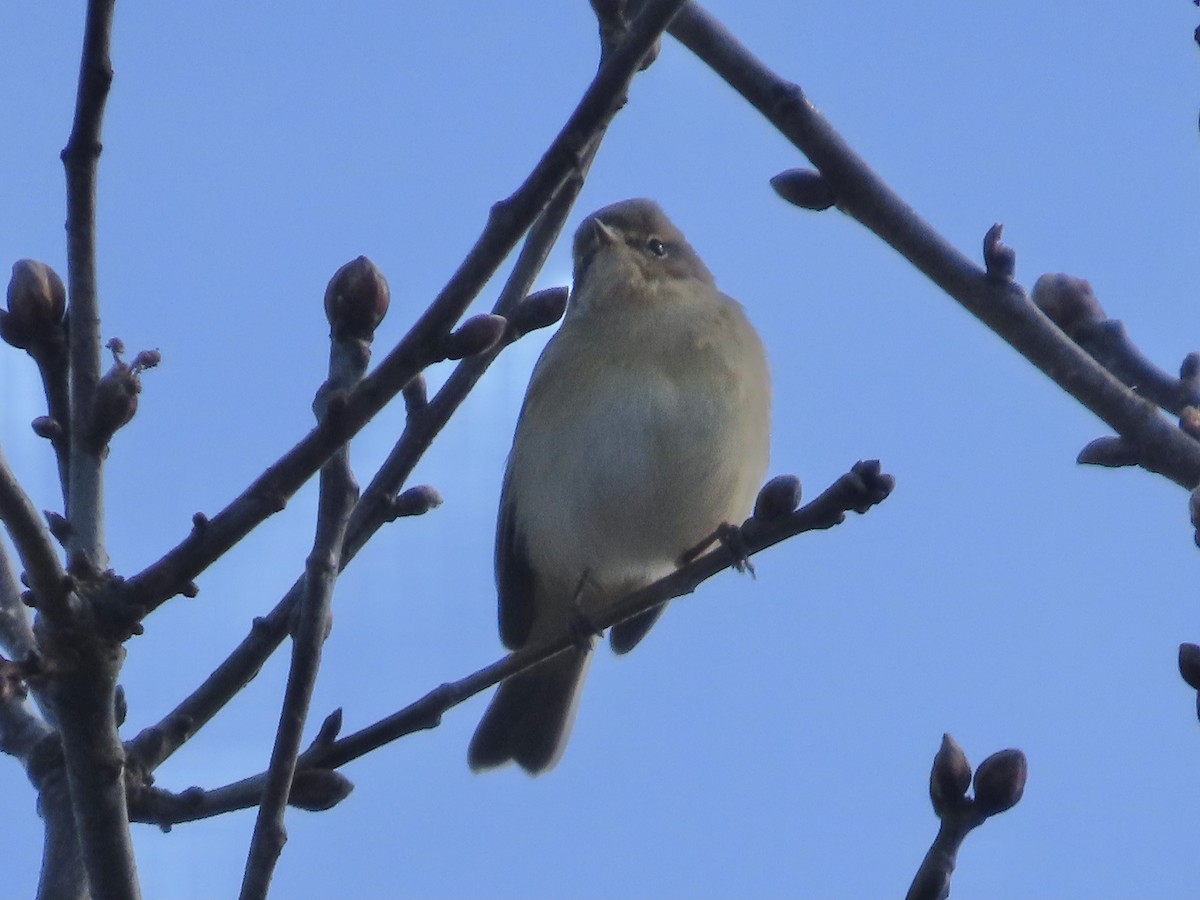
x=996, y=301
x=858, y=490
x=509, y=219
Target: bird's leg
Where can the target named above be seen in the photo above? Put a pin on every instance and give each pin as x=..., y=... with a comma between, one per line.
x=729, y=536
x=583, y=629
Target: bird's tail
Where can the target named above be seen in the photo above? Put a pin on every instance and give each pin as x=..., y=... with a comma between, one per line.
x=530, y=718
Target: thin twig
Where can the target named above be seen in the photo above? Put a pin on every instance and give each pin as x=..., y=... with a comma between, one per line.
x=509, y=219
x=998, y=302
x=36, y=548
x=337, y=494
x=858, y=490
x=80, y=160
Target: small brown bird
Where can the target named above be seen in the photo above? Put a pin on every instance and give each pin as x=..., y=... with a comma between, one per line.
x=644, y=428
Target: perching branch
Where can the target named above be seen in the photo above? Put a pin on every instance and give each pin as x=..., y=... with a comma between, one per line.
x=509, y=219
x=775, y=520
x=990, y=296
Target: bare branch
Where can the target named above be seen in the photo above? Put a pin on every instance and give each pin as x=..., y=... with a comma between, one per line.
x=998, y=303
x=80, y=159
x=362, y=301
x=49, y=582
x=857, y=491
x=509, y=219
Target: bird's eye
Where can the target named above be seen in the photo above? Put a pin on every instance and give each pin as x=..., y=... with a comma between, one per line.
x=657, y=247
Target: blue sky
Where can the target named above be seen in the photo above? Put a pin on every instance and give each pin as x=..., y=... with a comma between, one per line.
x=772, y=737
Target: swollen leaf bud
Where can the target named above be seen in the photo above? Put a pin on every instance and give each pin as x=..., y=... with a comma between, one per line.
x=1068, y=302
x=999, y=259
x=47, y=427
x=476, y=335
x=950, y=776
x=114, y=403
x=319, y=789
x=37, y=302
x=805, y=188
x=1000, y=782
x=779, y=497
x=356, y=300
x=416, y=501
x=539, y=309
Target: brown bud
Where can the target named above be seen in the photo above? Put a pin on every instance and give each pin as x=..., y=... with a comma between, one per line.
x=779, y=497
x=1189, y=664
x=114, y=403
x=37, y=302
x=805, y=188
x=1000, y=260
x=1000, y=782
x=329, y=729
x=416, y=395
x=356, y=300
x=476, y=335
x=47, y=427
x=59, y=527
x=319, y=789
x=1068, y=302
x=539, y=309
x=950, y=776
x=146, y=359
x=416, y=501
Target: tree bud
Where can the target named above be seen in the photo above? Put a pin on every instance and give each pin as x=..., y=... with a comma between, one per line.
x=950, y=776
x=539, y=309
x=356, y=300
x=1000, y=782
x=779, y=497
x=805, y=188
x=476, y=335
x=37, y=302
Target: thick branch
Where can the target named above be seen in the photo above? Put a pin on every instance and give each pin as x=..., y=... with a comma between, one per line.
x=509, y=219
x=858, y=490
x=997, y=302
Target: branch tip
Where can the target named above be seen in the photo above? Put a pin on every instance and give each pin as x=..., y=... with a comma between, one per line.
x=356, y=300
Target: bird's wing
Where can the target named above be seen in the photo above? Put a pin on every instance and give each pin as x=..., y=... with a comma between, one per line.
x=514, y=576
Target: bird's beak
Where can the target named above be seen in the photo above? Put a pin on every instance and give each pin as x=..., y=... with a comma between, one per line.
x=605, y=234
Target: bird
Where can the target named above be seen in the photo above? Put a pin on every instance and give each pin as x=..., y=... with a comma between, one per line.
x=645, y=428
